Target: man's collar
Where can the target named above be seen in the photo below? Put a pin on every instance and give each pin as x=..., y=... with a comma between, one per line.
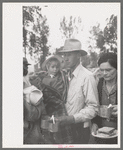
x=51, y=75
x=76, y=71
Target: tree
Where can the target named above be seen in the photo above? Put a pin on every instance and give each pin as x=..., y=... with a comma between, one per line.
x=70, y=27
x=96, y=39
x=35, y=33
x=110, y=33
x=27, y=18
x=105, y=40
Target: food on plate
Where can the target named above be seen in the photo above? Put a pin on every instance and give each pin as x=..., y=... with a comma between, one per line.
x=107, y=130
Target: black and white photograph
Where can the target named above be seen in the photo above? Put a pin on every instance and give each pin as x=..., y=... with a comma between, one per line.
x=61, y=75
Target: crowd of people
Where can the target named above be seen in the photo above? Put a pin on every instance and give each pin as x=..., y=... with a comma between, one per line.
x=67, y=105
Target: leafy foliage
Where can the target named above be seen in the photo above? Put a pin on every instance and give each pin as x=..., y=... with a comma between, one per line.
x=35, y=33
x=105, y=40
x=70, y=27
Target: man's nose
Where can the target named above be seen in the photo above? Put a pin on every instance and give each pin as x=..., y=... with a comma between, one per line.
x=104, y=72
x=65, y=58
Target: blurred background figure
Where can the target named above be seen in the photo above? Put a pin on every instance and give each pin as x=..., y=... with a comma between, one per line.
x=91, y=63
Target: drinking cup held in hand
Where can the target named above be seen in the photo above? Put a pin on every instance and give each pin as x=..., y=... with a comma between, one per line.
x=105, y=112
x=45, y=122
x=53, y=127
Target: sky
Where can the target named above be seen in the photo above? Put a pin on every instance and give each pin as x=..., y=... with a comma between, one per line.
x=90, y=13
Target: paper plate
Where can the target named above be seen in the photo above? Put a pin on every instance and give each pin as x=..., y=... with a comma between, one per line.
x=104, y=136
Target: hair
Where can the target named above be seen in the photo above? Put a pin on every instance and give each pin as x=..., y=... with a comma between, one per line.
x=53, y=60
x=110, y=57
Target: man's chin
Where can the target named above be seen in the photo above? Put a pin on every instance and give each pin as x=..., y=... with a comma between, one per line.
x=54, y=74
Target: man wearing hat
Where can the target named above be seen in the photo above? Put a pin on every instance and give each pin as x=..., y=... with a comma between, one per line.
x=82, y=98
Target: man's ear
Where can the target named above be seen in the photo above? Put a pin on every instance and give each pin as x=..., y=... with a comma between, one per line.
x=78, y=55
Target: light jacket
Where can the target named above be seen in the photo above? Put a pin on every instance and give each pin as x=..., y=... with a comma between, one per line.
x=82, y=101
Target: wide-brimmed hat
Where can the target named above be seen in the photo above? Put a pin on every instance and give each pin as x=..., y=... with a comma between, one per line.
x=71, y=45
x=48, y=59
x=25, y=62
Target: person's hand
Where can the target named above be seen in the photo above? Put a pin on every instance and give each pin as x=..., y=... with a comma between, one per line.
x=64, y=120
x=94, y=128
x=114, y=110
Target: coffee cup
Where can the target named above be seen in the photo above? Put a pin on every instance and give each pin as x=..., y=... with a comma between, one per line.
x=45, y=122
x=105, y=111
x=53, y=127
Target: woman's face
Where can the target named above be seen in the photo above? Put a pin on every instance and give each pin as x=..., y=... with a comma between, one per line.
x=108, y=72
